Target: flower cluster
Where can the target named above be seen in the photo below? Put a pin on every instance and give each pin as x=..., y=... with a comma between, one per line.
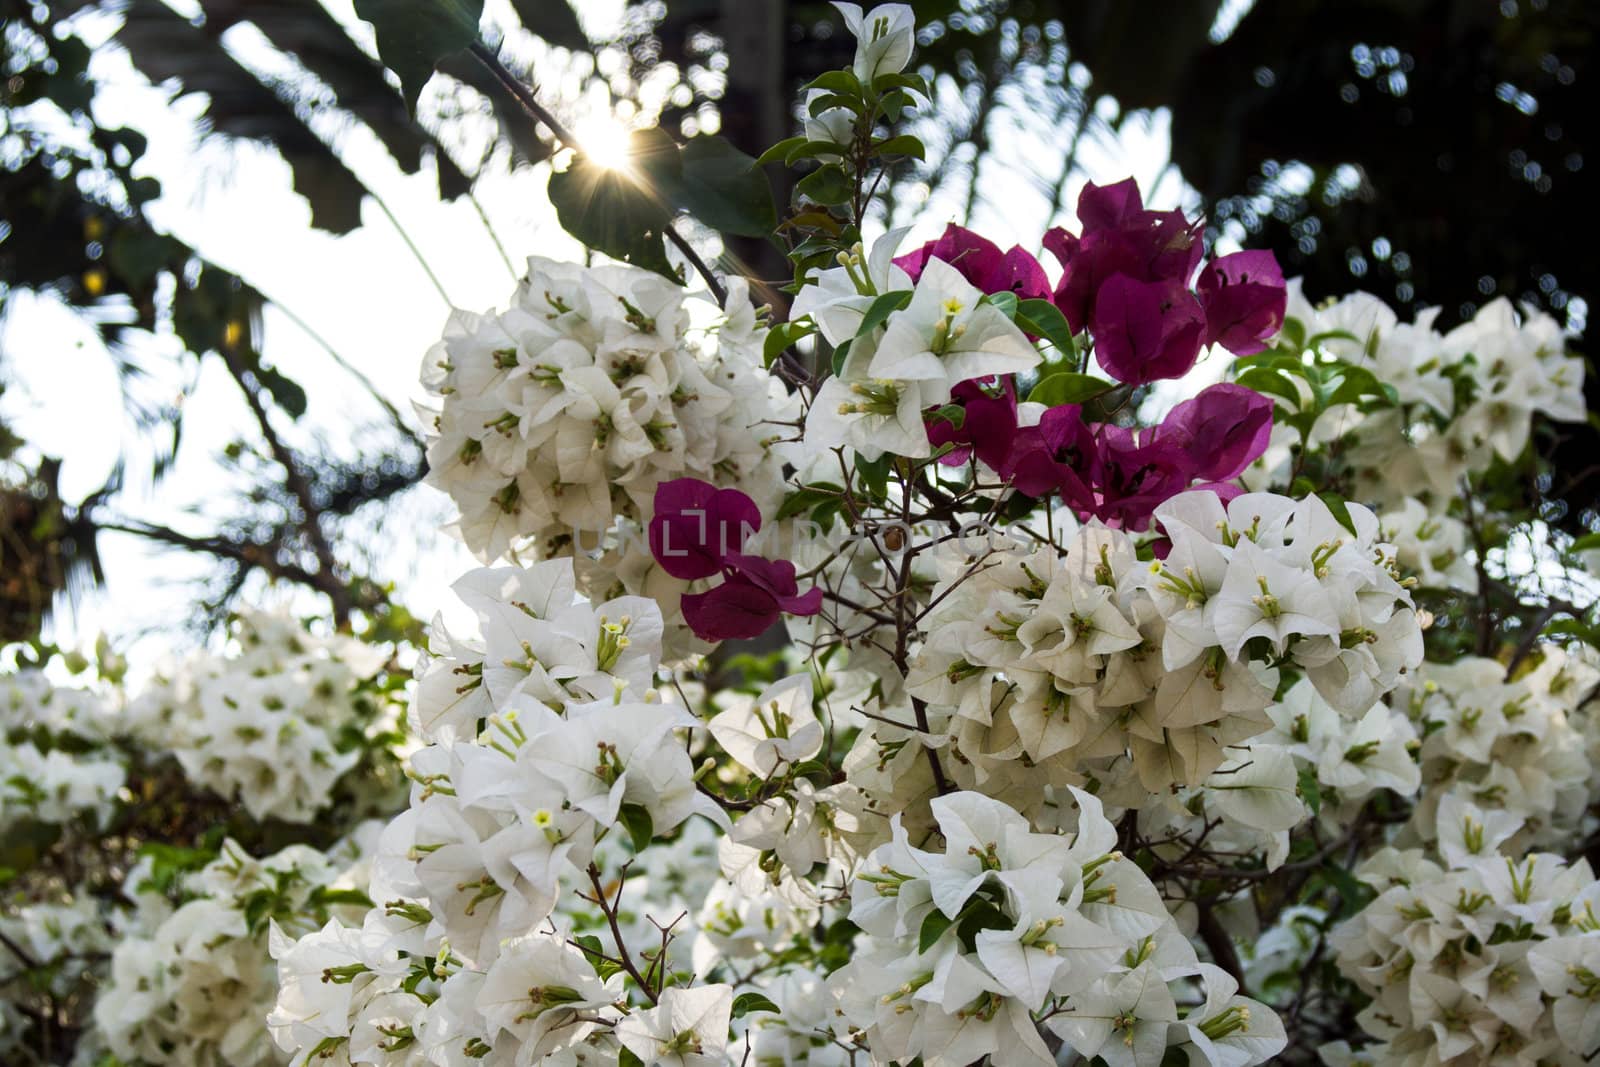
x=561, y=414
x=548, y=738
x=1472, y=956
x=191, y=986
x=1075, y=664
x=57, y=765
x=1517, y=747
x=275, y=722
x=969, y=948
x=1462, y=400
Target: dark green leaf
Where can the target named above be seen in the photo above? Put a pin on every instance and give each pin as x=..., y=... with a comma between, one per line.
x=836, y=81
x=914, y=82
x=1310, y=791
x=779, y=152
x=1340, y=510
x=725, y=189
x=621, y=213
x=807, y=497
x=745, y=1003
x=1043, y=319
x=874, y=474
x=413, y=35
x=903, y=145
x=840, y=354
x=933, y=928
x=554, y=21
x=881, y=308
x=1065, y=387
x=636, y=820
x=826, y=185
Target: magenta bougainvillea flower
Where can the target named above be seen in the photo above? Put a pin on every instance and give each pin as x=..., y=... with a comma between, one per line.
x=988, y=425
x=1121, y=476
x=1127, y=279
x=1245, y=301
x=1120, y=236
x=981, y=262
x=699, y=531
x=1146, y=331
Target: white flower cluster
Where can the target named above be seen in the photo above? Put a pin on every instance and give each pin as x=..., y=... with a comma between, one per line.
x=1476, y=957
x=1518, y=747
x=1072, y=664
x=41, y=781
x=968, y=948
x=274, y=722
x=561, y=414
x=192, y=986
x=548, y=738
x=1467, y=397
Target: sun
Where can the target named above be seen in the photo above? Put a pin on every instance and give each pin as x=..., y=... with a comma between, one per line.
x=605, y=141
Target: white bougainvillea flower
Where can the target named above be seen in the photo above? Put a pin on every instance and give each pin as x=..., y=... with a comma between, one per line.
x=776, y=728
x=949, y=334
x=1229, y=1030
x=1124, y=1019
x=686, y=1028
x=885, y=36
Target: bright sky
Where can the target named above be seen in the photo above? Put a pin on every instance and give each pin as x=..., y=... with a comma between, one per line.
x=366, y=294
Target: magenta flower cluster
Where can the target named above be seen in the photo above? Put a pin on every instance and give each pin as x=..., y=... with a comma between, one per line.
x=1126, y=280
x=700, y=531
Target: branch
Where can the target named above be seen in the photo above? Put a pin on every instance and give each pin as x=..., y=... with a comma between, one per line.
x=609, y=908
x=530, y=104
x=294, y=480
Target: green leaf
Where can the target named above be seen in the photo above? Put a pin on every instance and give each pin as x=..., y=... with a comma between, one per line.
x=1585, y=543
x=822, y=150
x=881, y=308
x=621, y=214
x=826, y=185
x=933, y=928
x=903, y=145
x=779, y=152
x=745, y=1003
x=725, y=189
x=1272, y=383
x=554, y=21
x=807, y=497
x=1005, y=300
x=840, y=354
x=782, y=336
x=1043, y=319
x=1066, y=387
x=625, y=1058
x=874, y=474
x=413, y=35
x=836, y=81
x=329, y=896
x=1310, y=791
x=914, y=82
x=977, y=916
x=1340, y=509
x=637, y=822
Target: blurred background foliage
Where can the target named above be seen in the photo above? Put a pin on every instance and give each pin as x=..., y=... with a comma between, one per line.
x=1430, y=151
